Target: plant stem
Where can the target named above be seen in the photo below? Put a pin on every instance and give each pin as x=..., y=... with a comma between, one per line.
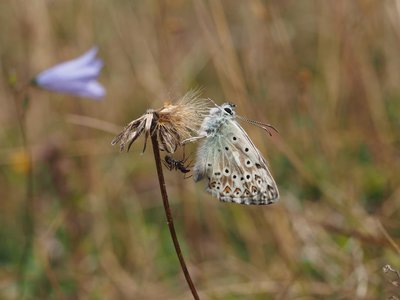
x=28, y=219
x=168, y=214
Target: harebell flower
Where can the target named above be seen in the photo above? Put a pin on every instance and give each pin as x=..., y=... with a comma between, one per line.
x=76, y=77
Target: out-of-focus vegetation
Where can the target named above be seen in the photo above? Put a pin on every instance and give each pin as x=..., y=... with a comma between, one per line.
x=325, y=73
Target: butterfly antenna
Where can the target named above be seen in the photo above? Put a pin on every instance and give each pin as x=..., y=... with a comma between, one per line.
x=266, y=127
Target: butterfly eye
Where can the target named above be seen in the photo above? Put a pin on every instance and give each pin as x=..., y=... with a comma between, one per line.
x=228, y=110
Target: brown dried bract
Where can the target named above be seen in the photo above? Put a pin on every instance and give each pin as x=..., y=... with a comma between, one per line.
x=172, y=123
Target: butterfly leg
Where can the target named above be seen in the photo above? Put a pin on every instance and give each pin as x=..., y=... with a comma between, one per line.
x=194, y=139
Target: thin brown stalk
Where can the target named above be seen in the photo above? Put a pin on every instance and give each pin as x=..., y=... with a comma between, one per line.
x=387, y=236
x=21, y=101
x=168, y=214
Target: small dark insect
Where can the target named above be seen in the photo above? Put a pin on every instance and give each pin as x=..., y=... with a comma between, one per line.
x=174, y=164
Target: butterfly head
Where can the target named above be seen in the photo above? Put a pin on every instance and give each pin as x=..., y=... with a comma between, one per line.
x=229, y=108
x=225, y=110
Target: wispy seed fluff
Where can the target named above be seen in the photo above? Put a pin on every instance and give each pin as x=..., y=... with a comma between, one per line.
x=173, y=123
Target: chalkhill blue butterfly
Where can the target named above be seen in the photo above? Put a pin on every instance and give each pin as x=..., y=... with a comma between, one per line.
x=235, y=169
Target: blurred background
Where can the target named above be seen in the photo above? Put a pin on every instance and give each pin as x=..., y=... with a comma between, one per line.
x=91, y=225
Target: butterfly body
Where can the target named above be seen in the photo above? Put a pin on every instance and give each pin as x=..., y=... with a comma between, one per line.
x=235, y=169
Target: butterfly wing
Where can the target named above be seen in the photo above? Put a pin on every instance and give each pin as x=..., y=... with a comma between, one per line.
x=235, y=169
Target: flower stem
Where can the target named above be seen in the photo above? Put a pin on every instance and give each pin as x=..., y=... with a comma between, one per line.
x=28, y=218
x=168, y=214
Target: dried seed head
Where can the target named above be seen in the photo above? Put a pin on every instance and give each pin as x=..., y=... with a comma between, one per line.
x=172, y=123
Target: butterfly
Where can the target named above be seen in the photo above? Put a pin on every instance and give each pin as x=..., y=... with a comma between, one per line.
x=235, y=169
